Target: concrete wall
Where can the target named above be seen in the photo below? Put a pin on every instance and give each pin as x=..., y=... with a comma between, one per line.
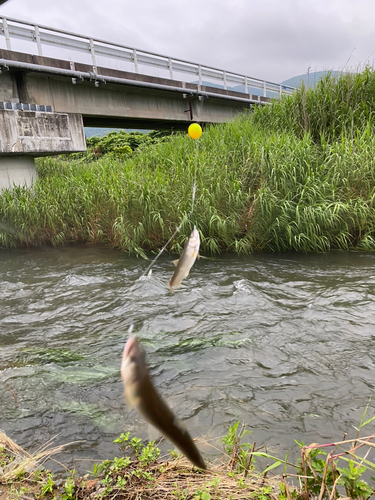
x=8, y=89
x=16, y=170
x=37, y=133
x=27, y=134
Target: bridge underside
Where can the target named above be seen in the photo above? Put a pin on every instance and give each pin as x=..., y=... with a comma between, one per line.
x=131, y=123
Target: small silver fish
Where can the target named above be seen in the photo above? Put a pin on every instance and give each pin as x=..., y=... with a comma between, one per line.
x=187, y=259
x=141, y=393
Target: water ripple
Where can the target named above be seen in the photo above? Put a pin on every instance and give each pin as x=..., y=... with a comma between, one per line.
x=284, y=343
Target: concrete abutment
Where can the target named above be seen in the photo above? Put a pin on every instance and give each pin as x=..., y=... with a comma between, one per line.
x=27, y=133
x=17, y=170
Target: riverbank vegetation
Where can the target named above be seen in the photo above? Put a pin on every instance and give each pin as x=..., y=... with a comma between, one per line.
x=140, y=472
x=295, y=176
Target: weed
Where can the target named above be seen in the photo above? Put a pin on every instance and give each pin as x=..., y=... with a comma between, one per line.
x=236, y=449
x=69, y=487
x=96, y=470
x=313, y=462
x=121, y=483
x=180, y=494
x=48, y=485
x=149, y=454
x=350, y=478
x=16, y=494
x=202, y=494
x=123, y=442
x=264, y=493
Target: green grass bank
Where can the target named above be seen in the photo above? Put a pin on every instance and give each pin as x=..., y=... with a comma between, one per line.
x=295, y=176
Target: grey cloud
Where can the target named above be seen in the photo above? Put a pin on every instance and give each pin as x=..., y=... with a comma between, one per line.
x=265, y=39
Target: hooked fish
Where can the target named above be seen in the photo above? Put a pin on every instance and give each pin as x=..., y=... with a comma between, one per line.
x=187, y=259
x=141, y=393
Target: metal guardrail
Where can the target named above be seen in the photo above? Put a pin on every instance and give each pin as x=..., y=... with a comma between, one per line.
x=45, y=36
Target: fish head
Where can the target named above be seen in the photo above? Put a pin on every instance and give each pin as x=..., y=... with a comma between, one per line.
x=133, y=369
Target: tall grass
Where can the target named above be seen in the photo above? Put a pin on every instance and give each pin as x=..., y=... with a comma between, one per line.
x=294, y=176
x=337, y=105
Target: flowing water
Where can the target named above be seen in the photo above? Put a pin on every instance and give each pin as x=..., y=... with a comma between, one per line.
x=284, y=343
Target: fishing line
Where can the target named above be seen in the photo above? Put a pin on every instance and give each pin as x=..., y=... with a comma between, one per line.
x=194, y=185
x=186, y=217
x=164, y=247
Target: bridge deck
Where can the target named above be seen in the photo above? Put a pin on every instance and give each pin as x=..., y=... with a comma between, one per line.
x=115, y=98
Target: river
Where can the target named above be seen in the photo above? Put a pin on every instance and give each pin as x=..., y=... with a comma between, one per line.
x=283, y=343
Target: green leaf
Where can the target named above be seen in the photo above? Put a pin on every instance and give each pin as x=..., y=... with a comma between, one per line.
x=273, y=466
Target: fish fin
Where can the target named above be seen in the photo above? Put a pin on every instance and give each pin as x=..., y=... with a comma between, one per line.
x=171, y=287
x=175, y=262
x=198, y=256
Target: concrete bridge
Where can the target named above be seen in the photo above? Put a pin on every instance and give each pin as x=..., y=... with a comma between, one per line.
x=53, y=82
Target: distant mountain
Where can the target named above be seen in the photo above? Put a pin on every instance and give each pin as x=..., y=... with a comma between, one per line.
x=310, y=79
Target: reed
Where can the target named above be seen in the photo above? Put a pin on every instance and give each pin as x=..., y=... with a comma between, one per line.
x=337, y=105
x=294, y=176
x=20, y=463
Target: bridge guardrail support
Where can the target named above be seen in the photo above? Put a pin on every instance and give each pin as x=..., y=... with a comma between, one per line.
x=92, y=50
x=38, y=40
x=6, y=34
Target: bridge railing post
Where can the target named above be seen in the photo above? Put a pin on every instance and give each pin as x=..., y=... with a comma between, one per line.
x=38, y=41
x=6, y=34
x=170, y=68
x=93, y=57
x=135, y=61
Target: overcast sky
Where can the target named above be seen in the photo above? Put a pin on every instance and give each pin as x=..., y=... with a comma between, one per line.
x=266, y=39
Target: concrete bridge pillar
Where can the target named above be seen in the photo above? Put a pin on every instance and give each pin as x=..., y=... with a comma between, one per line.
x=16, y=170
x=28, y=131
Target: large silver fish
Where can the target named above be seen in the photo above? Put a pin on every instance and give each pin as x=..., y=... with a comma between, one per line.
x=187, y=259
x=141, y=393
